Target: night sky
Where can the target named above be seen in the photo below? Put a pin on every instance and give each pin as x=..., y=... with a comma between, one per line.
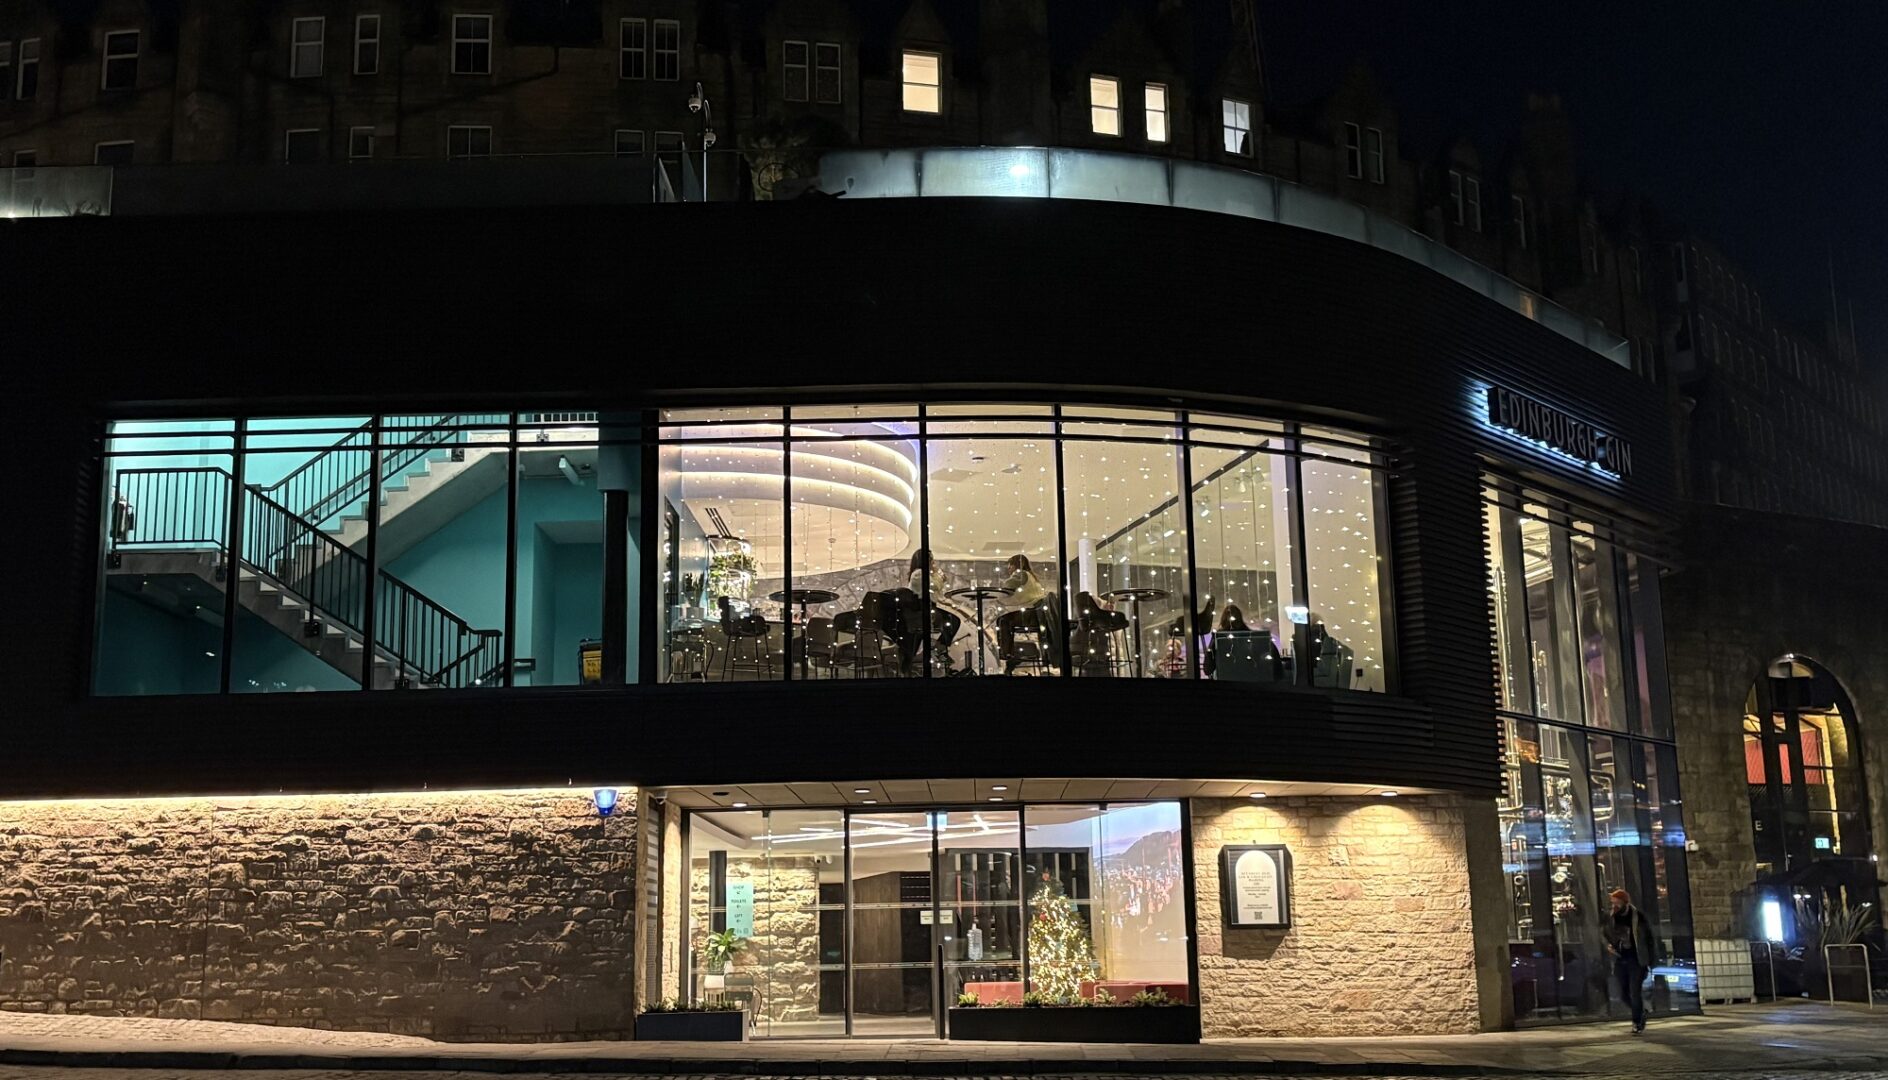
x=1762, y=124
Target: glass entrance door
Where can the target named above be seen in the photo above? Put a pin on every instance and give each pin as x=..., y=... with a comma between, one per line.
x=891, y=871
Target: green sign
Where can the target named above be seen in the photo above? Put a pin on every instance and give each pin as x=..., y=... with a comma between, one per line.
x=741, y=908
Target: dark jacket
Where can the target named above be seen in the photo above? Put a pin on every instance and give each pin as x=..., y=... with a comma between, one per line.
x=1645, y=943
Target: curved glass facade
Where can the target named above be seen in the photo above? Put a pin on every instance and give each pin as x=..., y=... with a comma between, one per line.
x=735, y=544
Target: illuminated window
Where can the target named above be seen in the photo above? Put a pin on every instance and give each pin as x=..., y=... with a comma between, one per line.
x=472, y=45
x=668, y=50
x=795, y=76
x=1104, y=105
x=308, y=40
x=1235, y=120
x=120, y=69
x=1156, y=98
x=633, y=49
x=923, y=80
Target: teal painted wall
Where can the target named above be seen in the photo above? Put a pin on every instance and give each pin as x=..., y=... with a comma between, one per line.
x=145, y=650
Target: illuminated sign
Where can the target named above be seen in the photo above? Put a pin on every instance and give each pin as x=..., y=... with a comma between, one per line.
x=1521, y=415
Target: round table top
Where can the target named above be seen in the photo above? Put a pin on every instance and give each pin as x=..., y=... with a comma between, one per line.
x=982, y=592
x=1136, y=594
x=803, y=596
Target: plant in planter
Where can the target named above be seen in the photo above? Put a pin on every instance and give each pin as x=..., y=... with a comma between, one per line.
x=968, y=1001
x=1151, y=999
x=720, y=950
x=712, y=1019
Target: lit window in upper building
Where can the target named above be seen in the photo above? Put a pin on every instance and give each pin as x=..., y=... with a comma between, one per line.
x=471, y=44
x=468, y=141
x=668, y=50
x=924, y=82
x=308, y=40
x=1155, y=97
x=120, y=69
x=826, y=81
x=1373, y=154
x=367, y=45
x=1353, y=151
x=1104, y=105
x=1235, y=120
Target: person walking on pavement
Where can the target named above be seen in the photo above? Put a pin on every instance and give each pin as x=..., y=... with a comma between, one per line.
x=1634, y=947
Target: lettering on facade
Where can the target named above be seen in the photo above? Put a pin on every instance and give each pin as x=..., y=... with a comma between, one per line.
x=1521, y=415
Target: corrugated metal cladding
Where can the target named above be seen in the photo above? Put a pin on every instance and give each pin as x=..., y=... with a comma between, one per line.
x=887, y=299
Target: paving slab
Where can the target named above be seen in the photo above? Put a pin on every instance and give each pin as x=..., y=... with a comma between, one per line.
x=1795, y=1037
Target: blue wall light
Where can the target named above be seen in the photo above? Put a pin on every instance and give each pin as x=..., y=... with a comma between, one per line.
x=606, y=800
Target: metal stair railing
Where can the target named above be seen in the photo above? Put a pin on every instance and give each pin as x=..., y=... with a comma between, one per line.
x=188, y=508
x=331, y=481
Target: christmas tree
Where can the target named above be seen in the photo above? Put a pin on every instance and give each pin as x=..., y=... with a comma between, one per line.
x=1060, y=955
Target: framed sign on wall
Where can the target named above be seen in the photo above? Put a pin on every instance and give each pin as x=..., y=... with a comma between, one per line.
x=1255, y=886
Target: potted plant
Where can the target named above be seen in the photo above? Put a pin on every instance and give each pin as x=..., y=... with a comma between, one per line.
x=1149, y=1016
x=720, y=950
x=713, y=1019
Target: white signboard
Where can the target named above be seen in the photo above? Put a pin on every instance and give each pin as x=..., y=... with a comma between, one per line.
x=1255, y=885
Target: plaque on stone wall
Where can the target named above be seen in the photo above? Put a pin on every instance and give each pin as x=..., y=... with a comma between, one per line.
x=1255, y=885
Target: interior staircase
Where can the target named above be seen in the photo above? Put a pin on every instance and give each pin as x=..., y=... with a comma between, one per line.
x=301, y=548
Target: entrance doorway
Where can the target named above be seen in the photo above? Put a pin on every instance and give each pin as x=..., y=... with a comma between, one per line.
x=866, y=922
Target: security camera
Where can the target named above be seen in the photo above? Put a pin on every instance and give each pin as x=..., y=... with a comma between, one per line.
x=707, y=138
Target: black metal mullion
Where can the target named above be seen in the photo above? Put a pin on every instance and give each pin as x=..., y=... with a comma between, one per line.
x=924, y=535
x=1191, y=908
x=1189, y=576
x=512, y=461
x=232, y=551
x=1300, y=558
x=845, y=951
x=649, y=549
x=370, y=625
x=786, y=544
x=1061, y=552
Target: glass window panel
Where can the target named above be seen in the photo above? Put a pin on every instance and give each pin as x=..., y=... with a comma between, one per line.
x=981, y=888
x=723, y=549
x=893, y=924
x=1106, y=901
x=1244, y=565
x=922, y=82
x=1342, y=639
x=1342, y=445
x=303, y=576
x=1534, y=962
x=1507, y=593
x=993, y=527
x=854, y=412
x=1585, y=972
x=857, y=609
x=724, y=414
x=1596, y=591
x=167, y=488
x=1668, y=902
x=443, y=545
x=1552, y=642
x=776, y=880
x=1127, y=544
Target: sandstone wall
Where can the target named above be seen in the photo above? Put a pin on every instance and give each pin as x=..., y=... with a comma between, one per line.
x=1381, y=941
x=487, y=916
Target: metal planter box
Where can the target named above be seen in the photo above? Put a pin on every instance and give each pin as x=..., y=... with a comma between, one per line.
x=730, y=1026
x=1097, y=1024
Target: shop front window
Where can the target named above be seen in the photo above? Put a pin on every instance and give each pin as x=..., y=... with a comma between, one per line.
x=774, y=543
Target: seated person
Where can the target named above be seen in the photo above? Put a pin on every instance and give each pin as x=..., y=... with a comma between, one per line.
x=1030, y=613
x=1242, y=654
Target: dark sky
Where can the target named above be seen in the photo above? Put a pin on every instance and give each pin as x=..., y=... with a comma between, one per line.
x=1762, y=124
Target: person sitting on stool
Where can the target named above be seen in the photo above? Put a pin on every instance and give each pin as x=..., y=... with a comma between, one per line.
x=943, y=619
x=1027, y=593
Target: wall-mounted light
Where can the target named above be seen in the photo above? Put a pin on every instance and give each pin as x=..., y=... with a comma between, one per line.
x=605, y=799
x=1388, y=793
x=1772, y=920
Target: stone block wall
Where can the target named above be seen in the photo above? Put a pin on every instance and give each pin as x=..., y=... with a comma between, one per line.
x=1381, y=941
x=454, y=915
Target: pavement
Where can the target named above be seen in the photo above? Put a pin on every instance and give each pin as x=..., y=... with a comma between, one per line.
x=1800, y=1038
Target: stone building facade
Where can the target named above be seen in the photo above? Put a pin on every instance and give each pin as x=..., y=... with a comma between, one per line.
x=462, y=915
x=1382, y=940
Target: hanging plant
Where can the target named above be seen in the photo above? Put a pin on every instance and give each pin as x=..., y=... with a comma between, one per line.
x=732, y=573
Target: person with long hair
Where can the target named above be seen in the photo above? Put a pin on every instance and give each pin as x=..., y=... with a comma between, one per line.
x=946, y=622
x=1029, y=595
